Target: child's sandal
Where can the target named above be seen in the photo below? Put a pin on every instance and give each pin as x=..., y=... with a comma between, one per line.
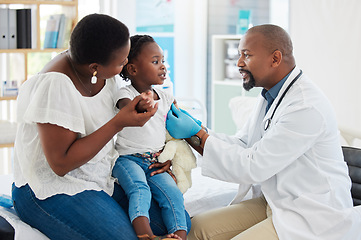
x=146, y=237
x=160, y=238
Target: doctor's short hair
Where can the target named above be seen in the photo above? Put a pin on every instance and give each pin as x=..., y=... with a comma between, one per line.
x=276, y=38
x=136, y=44
x=96, y=37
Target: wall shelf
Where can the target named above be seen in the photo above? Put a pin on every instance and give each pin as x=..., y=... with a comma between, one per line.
x=7, y=98
x=70, y=3
x=68, y=7
x=225, y=87
x=31, y=50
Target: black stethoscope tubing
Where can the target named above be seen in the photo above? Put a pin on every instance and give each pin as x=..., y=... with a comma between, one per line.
x=269, y=120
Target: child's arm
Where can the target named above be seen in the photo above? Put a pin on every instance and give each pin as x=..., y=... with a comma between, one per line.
x=146, y=103
x=122, y=102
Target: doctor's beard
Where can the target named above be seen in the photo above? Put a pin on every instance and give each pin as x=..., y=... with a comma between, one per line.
x=251, y=83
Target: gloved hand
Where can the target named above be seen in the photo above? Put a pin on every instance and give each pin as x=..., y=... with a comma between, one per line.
x=180, y=124
x=196, y=120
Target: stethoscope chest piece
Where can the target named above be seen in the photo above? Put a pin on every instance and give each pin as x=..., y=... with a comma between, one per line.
x=267, y=123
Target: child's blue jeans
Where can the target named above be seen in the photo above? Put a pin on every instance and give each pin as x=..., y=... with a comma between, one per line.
x=134, y=177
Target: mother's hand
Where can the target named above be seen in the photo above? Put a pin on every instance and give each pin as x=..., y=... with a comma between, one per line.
x=128, y=115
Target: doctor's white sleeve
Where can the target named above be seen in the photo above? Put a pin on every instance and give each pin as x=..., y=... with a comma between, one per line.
x=291, y=136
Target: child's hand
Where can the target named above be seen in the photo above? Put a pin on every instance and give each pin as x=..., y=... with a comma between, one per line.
x=128, y=115
x=163, y=167
x=146, y=103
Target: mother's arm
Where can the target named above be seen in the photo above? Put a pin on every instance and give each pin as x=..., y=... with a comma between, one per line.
x=63, y=149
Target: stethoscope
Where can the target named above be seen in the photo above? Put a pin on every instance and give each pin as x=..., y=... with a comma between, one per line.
x=269, y=120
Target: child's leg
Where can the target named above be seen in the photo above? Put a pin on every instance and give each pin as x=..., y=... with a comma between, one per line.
x=156, y=220
x=131, y=178
x=170, y=200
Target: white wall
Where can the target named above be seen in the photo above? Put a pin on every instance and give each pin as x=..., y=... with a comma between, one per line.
x=279, y=13
x=190, y=48
x=327, y=42
x=190, y=44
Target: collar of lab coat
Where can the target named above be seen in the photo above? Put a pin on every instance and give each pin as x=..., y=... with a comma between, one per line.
x=290, y=78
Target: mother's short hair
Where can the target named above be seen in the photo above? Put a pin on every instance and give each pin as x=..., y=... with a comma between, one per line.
x=96, y=37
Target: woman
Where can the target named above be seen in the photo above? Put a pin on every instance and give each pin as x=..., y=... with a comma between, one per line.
x=64, y=151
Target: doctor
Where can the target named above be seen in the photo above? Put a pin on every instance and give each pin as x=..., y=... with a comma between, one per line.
x=289, y=147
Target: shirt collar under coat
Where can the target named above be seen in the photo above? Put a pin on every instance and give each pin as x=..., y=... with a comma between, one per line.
x=271, y=94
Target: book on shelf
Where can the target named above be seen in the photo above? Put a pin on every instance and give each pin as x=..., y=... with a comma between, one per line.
x=68, y=29
x=34, y=28
x=61, y=30
x=23, y=24
x=16, y=28
x=10, y=88
x=57, y=32
x=64, y=32
x=65, y=28
x=12, y=25
x=54, y=25
x=51, y=32
x=4, y=28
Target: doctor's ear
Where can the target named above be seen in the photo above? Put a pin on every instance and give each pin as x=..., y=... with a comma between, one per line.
x=277, y=58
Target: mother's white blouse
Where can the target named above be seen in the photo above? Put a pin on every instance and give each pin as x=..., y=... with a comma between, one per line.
x=52, y=98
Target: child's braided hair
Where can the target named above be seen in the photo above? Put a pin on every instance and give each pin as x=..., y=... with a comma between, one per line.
x=136, y=44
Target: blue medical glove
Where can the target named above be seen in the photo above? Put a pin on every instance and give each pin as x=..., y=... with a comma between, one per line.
x=196, y=120
x=180, y=125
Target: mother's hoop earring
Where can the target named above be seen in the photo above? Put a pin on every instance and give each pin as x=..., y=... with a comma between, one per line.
x=94, y=78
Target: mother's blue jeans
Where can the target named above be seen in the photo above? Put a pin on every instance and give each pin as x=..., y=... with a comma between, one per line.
x=86, y=215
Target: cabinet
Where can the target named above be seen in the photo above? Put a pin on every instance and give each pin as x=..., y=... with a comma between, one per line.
x=226, y=82
x=16, y=61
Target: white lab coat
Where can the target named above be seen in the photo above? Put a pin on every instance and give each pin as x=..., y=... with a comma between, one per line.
x=298, y=163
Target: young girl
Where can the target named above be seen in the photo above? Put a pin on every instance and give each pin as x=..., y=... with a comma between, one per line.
x=139, y=146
